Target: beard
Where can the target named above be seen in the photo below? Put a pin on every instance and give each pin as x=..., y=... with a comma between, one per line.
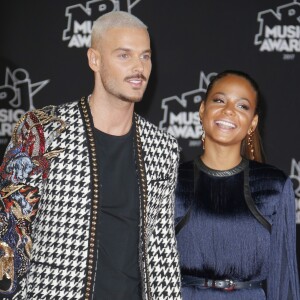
x=111, y=86
x=128, y=98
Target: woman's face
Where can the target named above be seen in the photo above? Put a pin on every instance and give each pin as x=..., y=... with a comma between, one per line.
x=228, y=113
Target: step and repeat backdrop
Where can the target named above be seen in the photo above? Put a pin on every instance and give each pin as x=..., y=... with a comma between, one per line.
x=43, y=61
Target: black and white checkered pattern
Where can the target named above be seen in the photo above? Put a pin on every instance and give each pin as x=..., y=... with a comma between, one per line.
x=61, y=228
x=161, y=161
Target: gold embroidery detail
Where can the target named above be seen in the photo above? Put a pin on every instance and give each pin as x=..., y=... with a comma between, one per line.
x=94, y=175
x=17, y=211
x=10, y=189
x=7, y=264
x=52, y=154
x=43, y=119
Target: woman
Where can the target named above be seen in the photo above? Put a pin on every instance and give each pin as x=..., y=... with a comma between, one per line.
x=235, y=215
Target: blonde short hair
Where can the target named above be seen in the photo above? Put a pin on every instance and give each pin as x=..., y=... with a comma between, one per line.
x=114, y=19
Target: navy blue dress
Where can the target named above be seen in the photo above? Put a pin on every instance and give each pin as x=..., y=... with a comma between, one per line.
x=241, y=227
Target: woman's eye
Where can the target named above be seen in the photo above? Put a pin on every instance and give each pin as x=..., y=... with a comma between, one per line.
x=218, y=100
x=244, y=106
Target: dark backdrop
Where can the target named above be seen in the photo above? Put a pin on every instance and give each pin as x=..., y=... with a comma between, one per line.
x=43, y=61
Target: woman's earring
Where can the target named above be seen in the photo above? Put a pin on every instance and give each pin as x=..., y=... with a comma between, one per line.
x=250, y=143
x=203, y=139
x=202, y=136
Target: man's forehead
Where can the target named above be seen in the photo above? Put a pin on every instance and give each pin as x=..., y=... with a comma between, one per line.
x=126, y=37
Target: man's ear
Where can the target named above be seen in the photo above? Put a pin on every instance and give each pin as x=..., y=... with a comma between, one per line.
x=93, y=59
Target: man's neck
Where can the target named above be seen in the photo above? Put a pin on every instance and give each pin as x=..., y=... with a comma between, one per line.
x=112, y=117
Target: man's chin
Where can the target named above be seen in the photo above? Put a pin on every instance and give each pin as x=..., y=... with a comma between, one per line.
x=131, y=99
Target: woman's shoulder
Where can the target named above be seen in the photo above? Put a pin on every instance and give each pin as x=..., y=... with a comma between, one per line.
x=266, y=170
x=266, y=175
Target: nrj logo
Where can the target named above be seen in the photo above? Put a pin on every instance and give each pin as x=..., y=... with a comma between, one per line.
x=16, y=97
x=80, y=19
x=295, y=177
x=181, y=114
x=280, y=31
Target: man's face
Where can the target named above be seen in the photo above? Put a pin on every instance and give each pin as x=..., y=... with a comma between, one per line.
x=125, y=66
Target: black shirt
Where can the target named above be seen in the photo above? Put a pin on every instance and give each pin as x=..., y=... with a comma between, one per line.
x=117, y=274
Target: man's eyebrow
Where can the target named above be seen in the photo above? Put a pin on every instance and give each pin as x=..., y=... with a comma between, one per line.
x=122, y=49
x=128, y=50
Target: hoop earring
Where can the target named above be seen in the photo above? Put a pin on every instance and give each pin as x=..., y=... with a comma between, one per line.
x=250, y=143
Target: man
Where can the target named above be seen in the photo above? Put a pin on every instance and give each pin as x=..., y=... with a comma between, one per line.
x=86, y=187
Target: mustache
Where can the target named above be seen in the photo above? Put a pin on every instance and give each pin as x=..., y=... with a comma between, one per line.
x=136, y=76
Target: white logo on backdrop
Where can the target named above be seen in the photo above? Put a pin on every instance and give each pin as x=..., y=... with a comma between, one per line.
x=279, y=31
x=80, y=19
x=295, y=177
x=16, y=97
x=181, y=114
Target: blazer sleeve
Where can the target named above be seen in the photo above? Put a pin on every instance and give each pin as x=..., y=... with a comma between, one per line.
x=23, y=171
x=170, y=266
x=283, y=281
x=175, y=270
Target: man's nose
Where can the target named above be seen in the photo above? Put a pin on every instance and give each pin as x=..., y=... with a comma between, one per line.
x=138, y=66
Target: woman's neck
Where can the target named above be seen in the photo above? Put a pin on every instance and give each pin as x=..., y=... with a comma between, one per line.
x=220, y=157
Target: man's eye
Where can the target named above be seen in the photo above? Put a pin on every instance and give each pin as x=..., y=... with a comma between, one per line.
x=146, y=56
x=124, y=55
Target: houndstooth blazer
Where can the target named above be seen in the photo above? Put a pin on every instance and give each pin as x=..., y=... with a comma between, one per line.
x=51, y=206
